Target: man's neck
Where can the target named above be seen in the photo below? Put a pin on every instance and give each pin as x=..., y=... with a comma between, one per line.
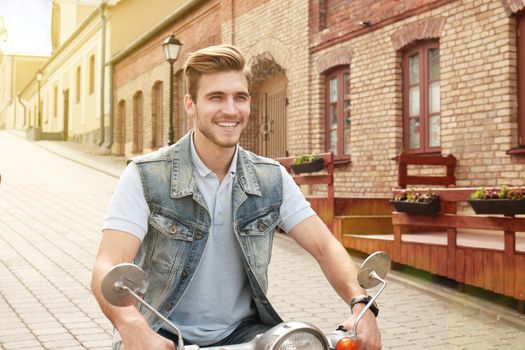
x=217, y=159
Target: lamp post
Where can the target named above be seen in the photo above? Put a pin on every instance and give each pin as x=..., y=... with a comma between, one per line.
x=171, y=51
x=38, y=77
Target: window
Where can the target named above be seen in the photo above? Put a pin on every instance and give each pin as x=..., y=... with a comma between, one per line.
x=421, y=99
x=138, y=122
x=521, y=80
x=77, y=95
x=184, y=122
x=338, y=112
x=91, y=74
x=156, y=115
x=121, y=128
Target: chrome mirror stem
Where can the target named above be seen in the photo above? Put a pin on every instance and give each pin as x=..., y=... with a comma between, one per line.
x=372, y=275
x=119, y=286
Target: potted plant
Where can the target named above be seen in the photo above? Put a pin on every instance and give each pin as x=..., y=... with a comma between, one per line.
x=506, y=201
x=307, y=163
x=412, y=202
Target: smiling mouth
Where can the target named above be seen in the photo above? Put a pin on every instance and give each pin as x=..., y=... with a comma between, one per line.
x=227, y=124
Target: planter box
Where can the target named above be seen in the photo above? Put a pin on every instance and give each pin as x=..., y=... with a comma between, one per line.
x=498, y=206
x=309, y=167
x=418, y=208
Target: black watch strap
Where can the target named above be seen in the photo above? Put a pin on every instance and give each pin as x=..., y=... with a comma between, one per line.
x=364, y=299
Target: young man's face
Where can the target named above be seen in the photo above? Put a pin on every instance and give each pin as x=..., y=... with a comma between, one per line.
x=222, y=109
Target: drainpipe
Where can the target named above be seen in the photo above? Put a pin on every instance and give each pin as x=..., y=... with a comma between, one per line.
x=14, y=112
x=23, y=106
x=103, y=18
x=111, y=108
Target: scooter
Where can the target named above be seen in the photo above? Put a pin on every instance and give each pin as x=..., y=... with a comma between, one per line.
x=125, y=284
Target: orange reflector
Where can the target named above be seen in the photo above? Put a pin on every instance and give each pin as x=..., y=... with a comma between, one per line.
x=346, y=343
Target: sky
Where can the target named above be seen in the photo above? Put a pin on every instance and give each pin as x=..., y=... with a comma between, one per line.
x=25, y=26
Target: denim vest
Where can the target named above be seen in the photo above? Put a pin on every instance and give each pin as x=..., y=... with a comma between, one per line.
x=179, y=224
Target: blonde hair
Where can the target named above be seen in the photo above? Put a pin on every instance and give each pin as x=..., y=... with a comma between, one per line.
x=210, y=60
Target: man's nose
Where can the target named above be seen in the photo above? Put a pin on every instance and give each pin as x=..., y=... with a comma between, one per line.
x=229, y=106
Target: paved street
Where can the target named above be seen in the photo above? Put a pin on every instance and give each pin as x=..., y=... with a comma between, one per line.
x=51, y=210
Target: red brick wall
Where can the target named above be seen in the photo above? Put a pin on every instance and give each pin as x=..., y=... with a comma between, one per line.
x=334, y=21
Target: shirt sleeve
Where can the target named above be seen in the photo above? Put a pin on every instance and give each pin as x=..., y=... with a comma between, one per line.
x=294, y=208
x=128, y=210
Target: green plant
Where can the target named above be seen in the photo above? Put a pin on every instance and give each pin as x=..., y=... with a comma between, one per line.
x=504, y=193
x=305, y=158
x=417, y=197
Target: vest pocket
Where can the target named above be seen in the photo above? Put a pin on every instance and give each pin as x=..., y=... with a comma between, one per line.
x=173, y=239
x=170, y=226
x=262, y=223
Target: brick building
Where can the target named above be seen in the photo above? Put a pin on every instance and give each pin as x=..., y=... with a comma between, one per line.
x=366, y=79
x=425, y=77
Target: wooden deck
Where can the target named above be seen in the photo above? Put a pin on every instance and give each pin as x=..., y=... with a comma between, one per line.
x=486, y=251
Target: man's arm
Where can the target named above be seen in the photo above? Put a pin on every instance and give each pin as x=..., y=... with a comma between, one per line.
x=339, y=269
x=118, y=247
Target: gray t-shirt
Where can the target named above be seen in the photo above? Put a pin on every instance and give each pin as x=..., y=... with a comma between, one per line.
x=207, y=312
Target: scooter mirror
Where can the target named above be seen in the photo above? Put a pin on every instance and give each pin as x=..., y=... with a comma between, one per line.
x=378, y=262
x=119, y=280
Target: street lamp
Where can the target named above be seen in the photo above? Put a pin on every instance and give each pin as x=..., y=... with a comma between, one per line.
x=171, y=47
x=38, y=77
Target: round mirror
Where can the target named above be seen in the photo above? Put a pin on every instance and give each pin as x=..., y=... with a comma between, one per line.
x=128, y=275
x=378, y=262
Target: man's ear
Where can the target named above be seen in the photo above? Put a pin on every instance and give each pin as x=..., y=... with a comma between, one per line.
x=189, y=105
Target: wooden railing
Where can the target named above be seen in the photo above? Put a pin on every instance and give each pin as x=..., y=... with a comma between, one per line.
x=326, y=210
x=486, y=265
x=404, y=160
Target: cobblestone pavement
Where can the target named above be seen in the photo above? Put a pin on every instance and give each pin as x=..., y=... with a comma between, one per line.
x=51, y=210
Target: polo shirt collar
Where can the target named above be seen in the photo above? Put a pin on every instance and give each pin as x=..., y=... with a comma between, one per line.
x=201, y=168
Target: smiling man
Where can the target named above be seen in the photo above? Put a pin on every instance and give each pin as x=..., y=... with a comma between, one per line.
x=199, y=218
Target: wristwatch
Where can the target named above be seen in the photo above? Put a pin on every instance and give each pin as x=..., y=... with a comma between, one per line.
x=364, y=299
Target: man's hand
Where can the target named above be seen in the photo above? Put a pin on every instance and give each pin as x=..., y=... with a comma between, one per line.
x=368, y=335
x=141, y=338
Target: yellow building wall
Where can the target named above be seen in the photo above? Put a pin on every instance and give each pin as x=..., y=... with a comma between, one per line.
x=71, y=16
x=131, y=19
x=83, y=11
x=25, y=71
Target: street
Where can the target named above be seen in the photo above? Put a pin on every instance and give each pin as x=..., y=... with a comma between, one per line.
x=51, y=211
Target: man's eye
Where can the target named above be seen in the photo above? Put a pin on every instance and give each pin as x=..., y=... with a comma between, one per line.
x=215, y=97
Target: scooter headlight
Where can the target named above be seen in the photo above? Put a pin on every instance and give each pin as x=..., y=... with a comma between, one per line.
x=301, y=340
x=293, y=336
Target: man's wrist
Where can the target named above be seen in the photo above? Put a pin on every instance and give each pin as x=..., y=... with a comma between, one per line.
x=131, y=323
x=364, y=300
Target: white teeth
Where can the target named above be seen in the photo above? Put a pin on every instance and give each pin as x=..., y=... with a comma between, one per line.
x=227, y=125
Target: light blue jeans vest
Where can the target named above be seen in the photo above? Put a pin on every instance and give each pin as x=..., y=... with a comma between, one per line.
x=179, y=225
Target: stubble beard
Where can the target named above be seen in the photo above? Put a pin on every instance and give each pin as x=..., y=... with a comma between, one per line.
x=208, y=133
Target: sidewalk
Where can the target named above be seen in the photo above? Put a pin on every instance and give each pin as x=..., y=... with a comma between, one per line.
x=94, y=159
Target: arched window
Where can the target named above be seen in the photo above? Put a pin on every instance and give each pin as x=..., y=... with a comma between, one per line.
x=156, y=115
x=184, y=124
x=121, y=128
x=91, y=74
x=421, y=98
x=138, y=122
